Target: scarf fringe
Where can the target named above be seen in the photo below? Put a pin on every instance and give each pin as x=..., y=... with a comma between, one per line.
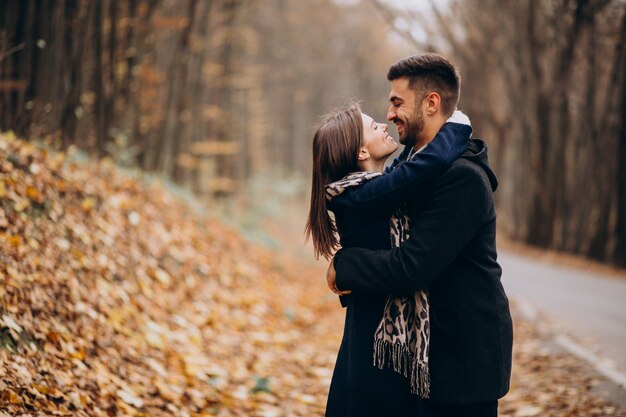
x=399, y=357
x=420, y=380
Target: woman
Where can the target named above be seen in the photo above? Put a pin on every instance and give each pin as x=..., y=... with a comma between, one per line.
x=349, y=152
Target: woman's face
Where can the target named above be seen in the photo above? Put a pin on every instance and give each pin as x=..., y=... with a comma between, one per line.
x=376, y=141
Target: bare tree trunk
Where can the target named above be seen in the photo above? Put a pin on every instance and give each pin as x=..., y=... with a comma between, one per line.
x=98, y=79
x=76, y=40
x=619, y=255
x=193, y=129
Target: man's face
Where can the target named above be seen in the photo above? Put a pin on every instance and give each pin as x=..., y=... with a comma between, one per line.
x=404, y=112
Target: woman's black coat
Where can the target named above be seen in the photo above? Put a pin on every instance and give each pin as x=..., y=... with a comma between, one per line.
x=359, y=388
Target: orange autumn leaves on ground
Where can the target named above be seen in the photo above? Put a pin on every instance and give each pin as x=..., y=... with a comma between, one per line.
x=119, y=300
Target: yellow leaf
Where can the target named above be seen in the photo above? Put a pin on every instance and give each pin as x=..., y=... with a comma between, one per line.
x=88, y=203
x=34, y=194
x=15, y=240
x=8, y=396
x=61, y=185
x=116, y=316
x=75, y=354
x=80, y=355
x=33, y=243
x=41, y=388
x=21, y=204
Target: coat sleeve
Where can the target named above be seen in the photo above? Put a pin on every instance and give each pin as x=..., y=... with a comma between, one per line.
x=387, y=192
x=455, y=211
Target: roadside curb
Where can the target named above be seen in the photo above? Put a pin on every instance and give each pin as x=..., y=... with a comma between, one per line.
x=529, y=312
x=612, y=383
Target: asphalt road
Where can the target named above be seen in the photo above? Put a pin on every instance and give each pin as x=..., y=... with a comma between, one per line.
x=584, y=307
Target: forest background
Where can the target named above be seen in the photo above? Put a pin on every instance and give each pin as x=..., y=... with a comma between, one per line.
x=222, y=95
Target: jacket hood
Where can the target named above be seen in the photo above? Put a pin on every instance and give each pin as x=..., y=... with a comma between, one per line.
x=477, y=152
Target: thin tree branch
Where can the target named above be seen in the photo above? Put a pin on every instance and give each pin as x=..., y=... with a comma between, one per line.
x=390, y=16
x=11, y=51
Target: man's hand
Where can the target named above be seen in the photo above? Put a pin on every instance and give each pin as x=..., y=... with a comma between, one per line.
x=331, y=279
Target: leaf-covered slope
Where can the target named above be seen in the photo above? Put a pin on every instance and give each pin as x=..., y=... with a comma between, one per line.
x=117, y=299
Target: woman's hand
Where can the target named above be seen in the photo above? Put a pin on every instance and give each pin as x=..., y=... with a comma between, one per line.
x=331, y=279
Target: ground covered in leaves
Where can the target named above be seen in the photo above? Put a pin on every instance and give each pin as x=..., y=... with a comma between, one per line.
x=117, y=299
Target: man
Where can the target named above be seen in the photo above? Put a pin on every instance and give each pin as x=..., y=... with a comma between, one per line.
x=450, y=252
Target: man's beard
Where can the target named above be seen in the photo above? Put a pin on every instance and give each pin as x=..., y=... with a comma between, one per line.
x=412, y=128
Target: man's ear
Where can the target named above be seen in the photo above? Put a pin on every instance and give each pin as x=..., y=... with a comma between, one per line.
x=364, y=154
x=432, y=103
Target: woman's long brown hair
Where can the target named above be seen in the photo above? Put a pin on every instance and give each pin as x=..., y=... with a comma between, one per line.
x=336, y=146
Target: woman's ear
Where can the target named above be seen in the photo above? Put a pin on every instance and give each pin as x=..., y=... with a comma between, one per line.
x=364, y=154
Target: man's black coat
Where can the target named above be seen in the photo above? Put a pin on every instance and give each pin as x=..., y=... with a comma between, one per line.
x=451, y=253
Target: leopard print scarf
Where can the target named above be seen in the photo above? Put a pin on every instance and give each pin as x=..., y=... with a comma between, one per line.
x=401, y=340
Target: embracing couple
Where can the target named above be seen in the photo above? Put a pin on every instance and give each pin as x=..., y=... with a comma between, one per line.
x=428, y=330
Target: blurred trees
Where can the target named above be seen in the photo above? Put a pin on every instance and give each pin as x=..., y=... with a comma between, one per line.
x=556, y=72
x=544, y=83
x=210, y=92
x=205, y=91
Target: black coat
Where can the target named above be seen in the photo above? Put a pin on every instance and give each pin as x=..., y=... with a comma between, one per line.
x=451, y=252
x=358, y=388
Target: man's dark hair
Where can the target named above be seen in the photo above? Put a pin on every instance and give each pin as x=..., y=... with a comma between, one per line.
x=430, y=72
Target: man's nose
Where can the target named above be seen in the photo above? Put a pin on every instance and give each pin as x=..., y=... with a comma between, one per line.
x=391, y=114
